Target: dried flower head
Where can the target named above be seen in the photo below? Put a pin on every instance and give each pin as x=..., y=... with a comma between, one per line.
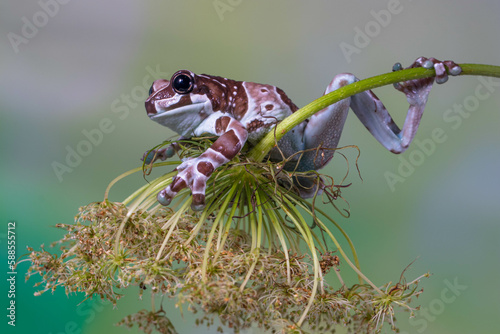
x=241, y=260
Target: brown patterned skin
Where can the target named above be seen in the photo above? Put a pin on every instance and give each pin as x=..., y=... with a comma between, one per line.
x=239, y=111
x=234, y=110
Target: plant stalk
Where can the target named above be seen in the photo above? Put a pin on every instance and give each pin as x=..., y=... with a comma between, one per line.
x=259, y=152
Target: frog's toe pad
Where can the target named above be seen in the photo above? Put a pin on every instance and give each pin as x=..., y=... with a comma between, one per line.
x=198, y=203
x=442, y=68
x=169, y=151
x=153, y=155
x=163, y=198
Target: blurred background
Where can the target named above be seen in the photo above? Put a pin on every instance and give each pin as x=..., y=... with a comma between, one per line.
x=75, y=70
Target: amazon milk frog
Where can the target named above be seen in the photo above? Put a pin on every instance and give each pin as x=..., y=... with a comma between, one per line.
x=239, y=111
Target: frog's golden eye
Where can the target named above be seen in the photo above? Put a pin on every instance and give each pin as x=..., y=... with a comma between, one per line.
x=182, y=83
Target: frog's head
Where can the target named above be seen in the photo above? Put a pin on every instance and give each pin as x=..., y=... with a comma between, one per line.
x=180, y=103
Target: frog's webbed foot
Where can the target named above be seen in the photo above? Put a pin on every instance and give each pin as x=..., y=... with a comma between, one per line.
x=417, y=90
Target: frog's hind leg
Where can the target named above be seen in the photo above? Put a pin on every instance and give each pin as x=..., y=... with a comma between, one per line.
x=373, y=114
x=323, y=129
x=318, y=137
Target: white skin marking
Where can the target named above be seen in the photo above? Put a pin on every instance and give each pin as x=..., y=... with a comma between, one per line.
x=231, y=126
x=251, y=111
x=199, y=98
x=213, y=79
x=220, y=155
x=208, y=123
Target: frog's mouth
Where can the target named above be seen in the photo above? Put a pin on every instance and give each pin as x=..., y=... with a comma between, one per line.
x=173, y=111
x=155, y=107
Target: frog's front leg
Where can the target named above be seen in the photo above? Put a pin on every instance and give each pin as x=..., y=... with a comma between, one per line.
x=194, y=173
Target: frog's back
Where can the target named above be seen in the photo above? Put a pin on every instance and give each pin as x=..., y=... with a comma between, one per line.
x=260, y=107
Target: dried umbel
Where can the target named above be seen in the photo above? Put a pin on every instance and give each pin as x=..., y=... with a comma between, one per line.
x=241, y=260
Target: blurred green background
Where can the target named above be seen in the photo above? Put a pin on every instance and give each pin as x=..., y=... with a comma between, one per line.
x=69, y=67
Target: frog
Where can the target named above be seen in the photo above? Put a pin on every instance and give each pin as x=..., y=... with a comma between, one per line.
x=240, y=112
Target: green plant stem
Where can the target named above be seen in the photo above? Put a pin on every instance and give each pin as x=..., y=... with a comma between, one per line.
x=259, y=152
